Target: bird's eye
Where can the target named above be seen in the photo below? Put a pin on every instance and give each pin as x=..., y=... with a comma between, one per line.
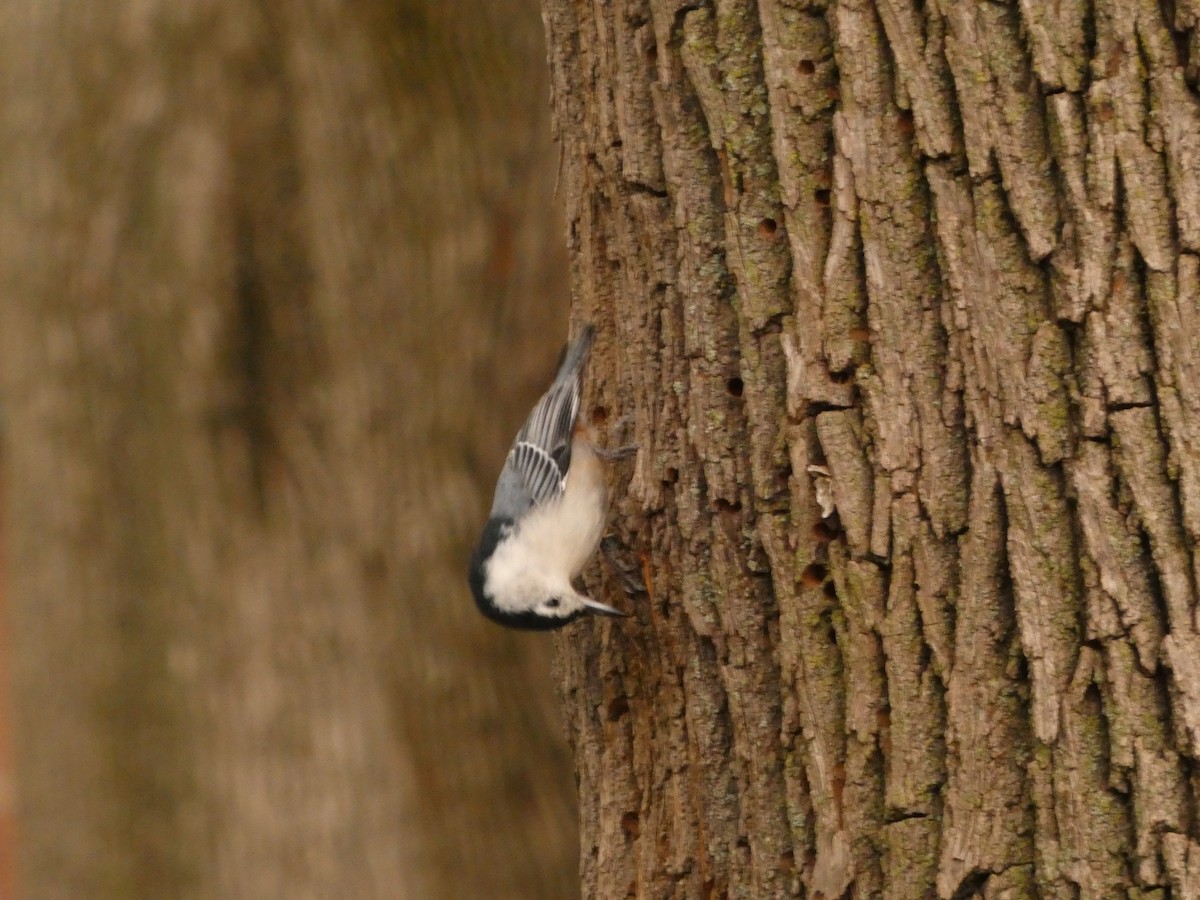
x=553, y=603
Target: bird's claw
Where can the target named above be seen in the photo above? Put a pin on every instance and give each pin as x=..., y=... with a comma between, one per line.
x=617, y=453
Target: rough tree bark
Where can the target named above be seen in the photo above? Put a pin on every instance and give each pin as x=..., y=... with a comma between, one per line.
x=260, y=263
x=949, y=252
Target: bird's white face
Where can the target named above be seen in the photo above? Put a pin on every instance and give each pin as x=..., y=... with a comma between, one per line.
x=528, y=597
x=518, y=589
x=565, y=606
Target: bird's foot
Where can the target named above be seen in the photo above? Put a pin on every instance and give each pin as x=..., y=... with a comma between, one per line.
x=617, y=453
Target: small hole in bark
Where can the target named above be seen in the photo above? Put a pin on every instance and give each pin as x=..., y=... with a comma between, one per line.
x=838, y=772
x=821, y=195
x=812, y=576
x=652, y=53
x=1021, y=669
x=629, y=824
x=972, y=885
x=1183, y=47
x=735, y=386
x=671, y=475
x=727, y=506
x=904, y=122
x=841, y=377
x=617, y=708
x=767, y=227
x=1115, y=56
x=599, y=415
x=823, y=532
x=830, y=590
x=806, y=67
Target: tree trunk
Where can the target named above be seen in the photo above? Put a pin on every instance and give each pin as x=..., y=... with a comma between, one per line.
x=904, y=300
x=263, y=266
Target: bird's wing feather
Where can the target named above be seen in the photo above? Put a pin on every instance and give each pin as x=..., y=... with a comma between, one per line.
x=542, y=452
x=536, y=469
x=540, y=472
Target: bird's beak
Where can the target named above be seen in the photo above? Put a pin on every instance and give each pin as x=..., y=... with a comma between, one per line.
x=603, y=608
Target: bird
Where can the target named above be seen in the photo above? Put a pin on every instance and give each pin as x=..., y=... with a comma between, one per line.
x=548, y=513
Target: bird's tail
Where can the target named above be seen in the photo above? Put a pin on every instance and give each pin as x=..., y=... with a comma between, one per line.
x=575, y=356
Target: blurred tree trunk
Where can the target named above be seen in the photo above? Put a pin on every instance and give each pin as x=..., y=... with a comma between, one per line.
x=950, y=254
x=277, y=284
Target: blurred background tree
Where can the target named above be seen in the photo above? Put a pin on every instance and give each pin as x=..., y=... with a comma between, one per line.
x=278, y=280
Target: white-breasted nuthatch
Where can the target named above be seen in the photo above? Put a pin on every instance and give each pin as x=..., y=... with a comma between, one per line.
x=548, y=513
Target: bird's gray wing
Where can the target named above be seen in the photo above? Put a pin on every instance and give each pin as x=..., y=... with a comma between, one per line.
x=536, y=469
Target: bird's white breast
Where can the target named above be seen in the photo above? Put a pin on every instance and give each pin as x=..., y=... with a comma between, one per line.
x=553, y=542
